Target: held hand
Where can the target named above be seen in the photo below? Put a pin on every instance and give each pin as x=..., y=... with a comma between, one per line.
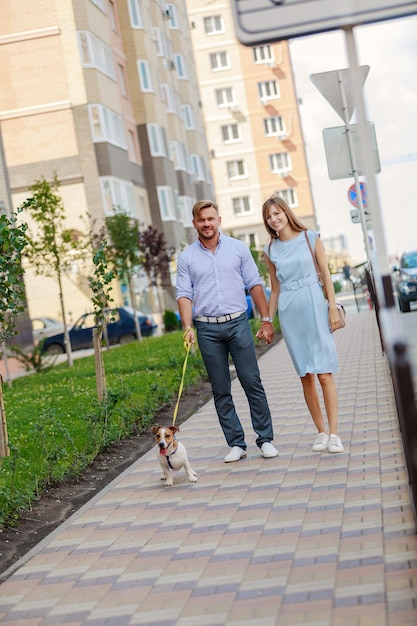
x=266, y=332
x=333, y=319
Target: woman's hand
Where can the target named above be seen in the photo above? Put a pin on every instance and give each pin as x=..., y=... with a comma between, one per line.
x=266, y=332
x=333, y=319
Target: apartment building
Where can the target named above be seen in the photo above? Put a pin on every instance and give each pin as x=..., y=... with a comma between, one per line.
x=104, y=94
x=253, y=126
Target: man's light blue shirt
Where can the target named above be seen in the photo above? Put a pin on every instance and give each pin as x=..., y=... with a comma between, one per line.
x=216, y=282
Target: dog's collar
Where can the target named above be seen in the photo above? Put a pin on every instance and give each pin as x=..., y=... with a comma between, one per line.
x=167, y=458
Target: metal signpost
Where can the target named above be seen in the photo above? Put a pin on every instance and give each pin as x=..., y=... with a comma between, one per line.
x=338, y=89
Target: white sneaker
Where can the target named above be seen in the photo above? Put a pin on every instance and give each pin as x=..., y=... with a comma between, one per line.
x=335, y=445
x=268, y=450
x=321, y=442
x=235, y=454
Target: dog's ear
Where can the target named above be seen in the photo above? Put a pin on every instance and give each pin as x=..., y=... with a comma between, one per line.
x=173, y=429
x=155, y=429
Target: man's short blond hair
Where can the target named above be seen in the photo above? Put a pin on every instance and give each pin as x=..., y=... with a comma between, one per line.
x=203, y=204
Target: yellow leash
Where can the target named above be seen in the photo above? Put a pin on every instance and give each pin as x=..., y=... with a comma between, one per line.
x=187, y=347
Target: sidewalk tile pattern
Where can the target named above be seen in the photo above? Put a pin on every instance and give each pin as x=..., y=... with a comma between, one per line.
x=304, y=538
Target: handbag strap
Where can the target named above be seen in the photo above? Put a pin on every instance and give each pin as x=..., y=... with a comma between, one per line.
x=313, y=256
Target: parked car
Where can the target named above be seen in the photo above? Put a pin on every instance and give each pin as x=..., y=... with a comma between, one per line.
x=45, y=327
x=405, y=280
x=120, y=329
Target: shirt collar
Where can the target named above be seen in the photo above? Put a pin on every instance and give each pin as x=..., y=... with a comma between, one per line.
x=218, y=242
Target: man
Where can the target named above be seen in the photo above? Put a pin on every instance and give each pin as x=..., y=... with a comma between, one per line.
x=212, y=274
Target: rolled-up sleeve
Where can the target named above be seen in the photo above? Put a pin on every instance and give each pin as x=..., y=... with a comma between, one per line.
x=250, y=271
x=184, y=287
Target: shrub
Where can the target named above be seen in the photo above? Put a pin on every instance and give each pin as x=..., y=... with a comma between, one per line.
x=171, y=322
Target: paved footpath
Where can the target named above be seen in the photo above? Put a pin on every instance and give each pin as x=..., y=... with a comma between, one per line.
x=306, y=538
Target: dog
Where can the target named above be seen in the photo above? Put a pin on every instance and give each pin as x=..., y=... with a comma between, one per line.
x=172, y=454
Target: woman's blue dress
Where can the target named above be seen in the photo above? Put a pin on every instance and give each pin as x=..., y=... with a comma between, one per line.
x=302, y=308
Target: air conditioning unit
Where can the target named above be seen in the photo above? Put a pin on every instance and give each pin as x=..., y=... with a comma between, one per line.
x=284, y=173
x=264, y=100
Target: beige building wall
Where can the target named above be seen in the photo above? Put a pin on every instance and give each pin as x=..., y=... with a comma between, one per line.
x=73, y=103
x=253, y=126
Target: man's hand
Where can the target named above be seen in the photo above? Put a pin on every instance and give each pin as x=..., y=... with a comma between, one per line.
x=266, y=332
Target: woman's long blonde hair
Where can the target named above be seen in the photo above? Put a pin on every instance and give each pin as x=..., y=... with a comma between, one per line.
x=293, y=221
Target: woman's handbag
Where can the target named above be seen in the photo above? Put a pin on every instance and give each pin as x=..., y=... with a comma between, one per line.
x=340, y=308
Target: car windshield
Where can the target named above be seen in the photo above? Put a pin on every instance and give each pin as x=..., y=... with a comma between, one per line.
x=409, y=260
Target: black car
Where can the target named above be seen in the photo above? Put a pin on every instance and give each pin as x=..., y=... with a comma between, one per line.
x=405, y=280
x=120, y=329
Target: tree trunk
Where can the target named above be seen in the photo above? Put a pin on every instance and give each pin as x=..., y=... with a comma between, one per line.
x=67, y=341
x=99, y=365
x=133, y=303
x=4, y=448
x=6, y=364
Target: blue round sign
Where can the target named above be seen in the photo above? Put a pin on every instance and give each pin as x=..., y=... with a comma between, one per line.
x=353, y=196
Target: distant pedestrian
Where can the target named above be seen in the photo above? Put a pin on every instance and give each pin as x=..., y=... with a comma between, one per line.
x=306, y=319
x=212, y=274
x=346, y=275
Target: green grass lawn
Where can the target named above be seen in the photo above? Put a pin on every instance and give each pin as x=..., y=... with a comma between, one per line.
x=56, y=426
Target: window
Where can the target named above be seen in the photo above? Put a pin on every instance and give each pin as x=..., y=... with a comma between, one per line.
x=188, y=116
x=186, y=210
x=112, y=16
x=121, y=78
x=213, y=25
x=172, y=15
x=168, y=97
x=106, y=126
x=280, y=163
x=131, y=147
x=197, y=166
x=136, y=19
x=230, y=133
x=236, y=169
x=268, y=90
x=145, y=76
x=179, y=156
x=225, y=97
x=166, y=203
x=289, y=195
x=95, y=53
x=180, y=65
x=157, y=38
x=158, y=144
x=263, y=54
x=117, y=193
x=219, y=61
x=241, y=205
x=275, y=126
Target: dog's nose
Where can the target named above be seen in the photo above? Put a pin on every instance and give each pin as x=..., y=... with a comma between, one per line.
x=161, y=445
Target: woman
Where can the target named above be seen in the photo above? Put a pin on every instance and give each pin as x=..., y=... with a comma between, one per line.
x=307, y=320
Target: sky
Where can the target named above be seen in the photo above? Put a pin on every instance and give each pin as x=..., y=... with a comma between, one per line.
x=390, y=92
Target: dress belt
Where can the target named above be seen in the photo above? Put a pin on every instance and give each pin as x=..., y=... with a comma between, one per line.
x=218, y=320
x=298, y=283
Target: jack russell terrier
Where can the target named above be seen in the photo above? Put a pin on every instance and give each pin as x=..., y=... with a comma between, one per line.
x=172, y=454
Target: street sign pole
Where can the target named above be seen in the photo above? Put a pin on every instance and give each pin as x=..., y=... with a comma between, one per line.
x=354, y=164
x=383, y=284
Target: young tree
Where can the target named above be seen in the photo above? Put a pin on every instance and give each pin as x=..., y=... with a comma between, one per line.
x=123, y=253
x=155, y=258
x=100, y=286
x=12, y=295
x=52, y=246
